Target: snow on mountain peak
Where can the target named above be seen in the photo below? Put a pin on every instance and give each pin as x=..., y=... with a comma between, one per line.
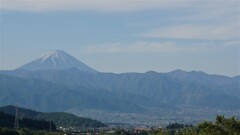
x=56, y=59
x=55, y=54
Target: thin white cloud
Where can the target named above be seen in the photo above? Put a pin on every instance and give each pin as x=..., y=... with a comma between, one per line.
x=210, y=20
x=139, y=46
x=216, y=11
x=196, y=31
x=157, y=47
x=232, y=43
x=95, y=5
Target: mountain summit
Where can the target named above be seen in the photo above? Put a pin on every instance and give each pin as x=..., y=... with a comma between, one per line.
x=57, y=59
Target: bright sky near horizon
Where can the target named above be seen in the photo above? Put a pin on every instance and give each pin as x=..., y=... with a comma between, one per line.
x=125, y=35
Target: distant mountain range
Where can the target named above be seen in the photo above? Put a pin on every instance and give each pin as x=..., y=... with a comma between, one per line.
x=59, y=118
x=58, y=86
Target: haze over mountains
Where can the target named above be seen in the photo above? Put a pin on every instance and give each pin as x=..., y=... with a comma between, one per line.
x=59, y=82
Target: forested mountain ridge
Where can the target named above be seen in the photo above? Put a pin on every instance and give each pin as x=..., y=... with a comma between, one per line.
x=143, y=90
x=59, y=118
x=7, y=120
x=47, y=96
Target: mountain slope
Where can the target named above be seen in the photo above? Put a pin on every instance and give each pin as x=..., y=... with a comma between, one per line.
x=148, y=89
x=228, y=85
x=45, y=96
x=7, y=120
x=201, y=77
x=56, y=60
x=59, y=118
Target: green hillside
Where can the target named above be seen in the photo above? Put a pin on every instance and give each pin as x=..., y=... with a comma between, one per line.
x=7, y=120
x=59, y=118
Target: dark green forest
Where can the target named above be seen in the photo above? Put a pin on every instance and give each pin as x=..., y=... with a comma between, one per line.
x=27, y=126
x=59, y=118
x=7, y=120
x=70, y=120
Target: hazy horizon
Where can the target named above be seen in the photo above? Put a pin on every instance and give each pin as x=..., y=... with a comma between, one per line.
x=123, y=72
x=125, y=36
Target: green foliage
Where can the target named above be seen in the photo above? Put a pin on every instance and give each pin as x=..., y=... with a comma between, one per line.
x=222, y=125
x=26, y=131
x=37, y=124
x=177, y=126
x=159, y=132
x=7, y=120
x=59, y=118
x=70, y=120
x=7, y=131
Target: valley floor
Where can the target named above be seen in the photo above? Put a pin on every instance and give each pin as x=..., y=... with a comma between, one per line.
x=156, y=117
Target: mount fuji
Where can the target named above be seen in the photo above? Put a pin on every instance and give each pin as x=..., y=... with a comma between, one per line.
x=59, y=82
x=56, y=60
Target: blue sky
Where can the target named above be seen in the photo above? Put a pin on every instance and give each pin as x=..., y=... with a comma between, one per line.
x=125, y=35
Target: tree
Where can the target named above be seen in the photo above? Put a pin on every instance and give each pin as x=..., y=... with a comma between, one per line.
x=7, y=131
x=222, y=125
